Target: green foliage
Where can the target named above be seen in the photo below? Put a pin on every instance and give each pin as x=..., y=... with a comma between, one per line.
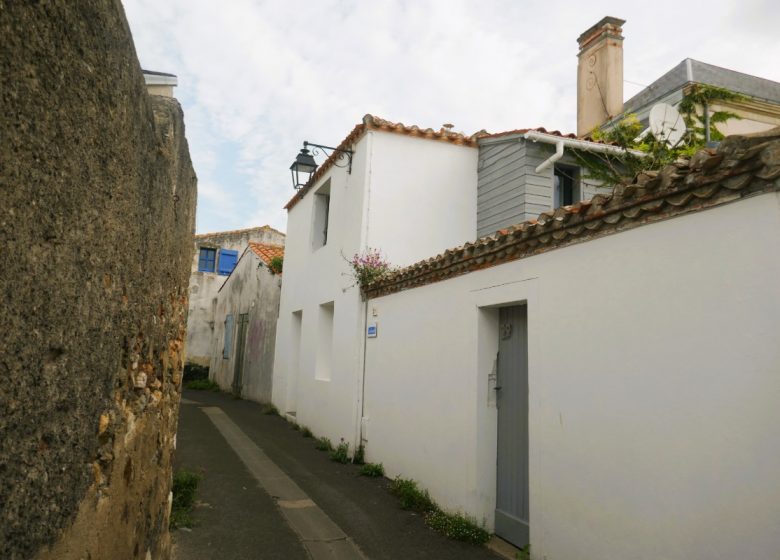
x=457, y=527
x=697, y=99
x=341, y=453
x=276, y=265
x=324, y=444
x=525, y=553
x=411, y=497
x=306, y=432
x=360, y=455
x=372, y=469
x=185, y=485
x=453, y=525
x=202, y=385
x=649, y=153
x=269, y=408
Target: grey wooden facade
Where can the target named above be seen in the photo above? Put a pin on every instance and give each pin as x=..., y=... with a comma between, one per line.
x=510, y=191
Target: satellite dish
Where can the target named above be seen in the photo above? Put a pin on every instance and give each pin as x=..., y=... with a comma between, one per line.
x=666, y=124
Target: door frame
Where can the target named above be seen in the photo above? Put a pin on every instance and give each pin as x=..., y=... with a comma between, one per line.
x=487, y=301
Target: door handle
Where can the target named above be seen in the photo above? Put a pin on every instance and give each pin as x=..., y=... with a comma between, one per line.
x=497, y=388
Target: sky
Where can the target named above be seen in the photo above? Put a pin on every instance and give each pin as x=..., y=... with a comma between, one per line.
x=258, y=77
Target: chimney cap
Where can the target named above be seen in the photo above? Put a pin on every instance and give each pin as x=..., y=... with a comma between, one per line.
x=605, y=22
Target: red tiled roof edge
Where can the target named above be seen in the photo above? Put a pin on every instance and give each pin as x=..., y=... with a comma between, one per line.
x=266, y=251
x=370, y=122
x=742, y=166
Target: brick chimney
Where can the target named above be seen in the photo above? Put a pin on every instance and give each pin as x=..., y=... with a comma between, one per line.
x=599, y=74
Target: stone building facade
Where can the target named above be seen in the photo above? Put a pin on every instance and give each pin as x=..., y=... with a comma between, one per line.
x=96, y=223
x=214, y=256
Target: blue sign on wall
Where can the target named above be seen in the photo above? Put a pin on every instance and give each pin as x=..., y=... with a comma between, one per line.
x=371, y=330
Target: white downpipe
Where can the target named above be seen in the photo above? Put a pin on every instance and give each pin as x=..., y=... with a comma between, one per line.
x=561, y=143
x=552, y=159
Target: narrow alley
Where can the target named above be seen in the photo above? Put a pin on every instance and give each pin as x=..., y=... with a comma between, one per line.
x=267, y=492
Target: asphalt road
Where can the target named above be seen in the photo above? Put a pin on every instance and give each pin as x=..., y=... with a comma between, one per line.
x=237, y=519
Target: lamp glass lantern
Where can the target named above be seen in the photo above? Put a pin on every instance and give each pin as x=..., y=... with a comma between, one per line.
x=305, y=165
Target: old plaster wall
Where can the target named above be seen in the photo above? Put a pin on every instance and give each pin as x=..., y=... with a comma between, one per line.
x=252, y=290
x=96, y=222
x=205, y=285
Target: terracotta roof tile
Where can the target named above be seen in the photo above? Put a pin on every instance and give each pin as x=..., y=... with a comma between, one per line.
x=742, y=166
x=370, y=122
x=266, y=252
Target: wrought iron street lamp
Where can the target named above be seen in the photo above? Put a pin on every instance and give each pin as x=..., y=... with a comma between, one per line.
x=304, y=162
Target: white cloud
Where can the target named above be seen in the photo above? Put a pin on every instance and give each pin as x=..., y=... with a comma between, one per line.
x=257, y=78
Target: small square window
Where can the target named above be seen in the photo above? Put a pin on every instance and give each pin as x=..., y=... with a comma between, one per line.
x=207, y=259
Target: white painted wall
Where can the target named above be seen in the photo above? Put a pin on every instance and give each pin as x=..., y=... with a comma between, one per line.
x=422, y=197
x=654, y=389
x=406, y=196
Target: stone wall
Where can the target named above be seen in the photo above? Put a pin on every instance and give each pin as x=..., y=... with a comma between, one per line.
x=96, y=223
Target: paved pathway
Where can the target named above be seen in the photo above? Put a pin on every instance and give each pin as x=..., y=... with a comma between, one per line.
x=267, y=492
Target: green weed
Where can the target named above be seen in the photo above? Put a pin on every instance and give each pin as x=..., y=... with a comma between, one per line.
x=411, y=496
x=324, y=444
x=457, y=527
x=269, y=408
x=306, y=432
x=185, y=485
x=341, y=453
x=202, y=385
x=360, y=455
x=372, y=470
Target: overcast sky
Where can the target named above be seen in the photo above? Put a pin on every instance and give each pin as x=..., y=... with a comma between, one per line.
x=256, y=78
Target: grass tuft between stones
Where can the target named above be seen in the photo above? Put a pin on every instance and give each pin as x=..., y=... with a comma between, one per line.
x=185, y=486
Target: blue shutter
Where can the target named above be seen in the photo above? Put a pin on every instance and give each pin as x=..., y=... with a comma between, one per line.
x=228, y=337
x=206, y=259
x=227, y=261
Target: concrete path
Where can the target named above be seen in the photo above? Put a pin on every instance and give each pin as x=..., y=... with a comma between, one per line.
x=269, y=493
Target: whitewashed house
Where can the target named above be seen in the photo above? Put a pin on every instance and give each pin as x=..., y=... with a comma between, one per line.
x=603, y=381
x=401, y=179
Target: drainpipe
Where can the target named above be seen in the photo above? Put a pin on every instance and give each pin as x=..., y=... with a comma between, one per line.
x=546, y=164
x=561, y=143
x=361, y=434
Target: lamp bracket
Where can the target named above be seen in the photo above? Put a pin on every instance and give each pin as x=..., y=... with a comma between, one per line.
x=318, y=149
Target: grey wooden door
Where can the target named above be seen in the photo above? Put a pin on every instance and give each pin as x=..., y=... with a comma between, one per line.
x=512, y=401
x=238, y=369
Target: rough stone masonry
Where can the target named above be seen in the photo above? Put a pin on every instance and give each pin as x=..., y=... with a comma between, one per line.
x=96, y=222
